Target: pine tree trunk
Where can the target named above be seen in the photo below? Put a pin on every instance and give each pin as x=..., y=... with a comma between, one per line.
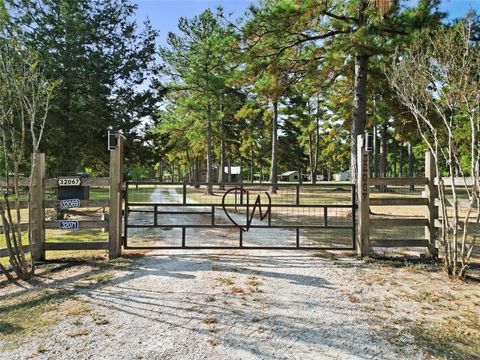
x=395, y=157
x=229, y=170
x=359, y=98
x=411, y=161
x=161, y=171
x=221, y=170
x=240, y=176
x=209, y=178
x=401, y=159
x=189, y=166
x=197, y=172
x=310, y=157
x=383, y=151
x=316, y=151
x=273, y=168
x=383, y=155
x=251, y=165
x=359, y=110
x=375, y=150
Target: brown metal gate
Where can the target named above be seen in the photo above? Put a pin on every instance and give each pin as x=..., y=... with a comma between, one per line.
x=161, y=215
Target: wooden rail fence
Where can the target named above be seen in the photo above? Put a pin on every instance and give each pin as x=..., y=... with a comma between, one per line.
x=38, y=204
x=429, y=201
x=366, y=244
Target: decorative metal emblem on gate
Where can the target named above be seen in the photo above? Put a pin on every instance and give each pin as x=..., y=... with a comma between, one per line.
x=257, y=204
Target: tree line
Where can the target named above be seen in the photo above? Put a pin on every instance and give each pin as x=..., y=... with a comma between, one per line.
x=104, y=62
x=287, y=86
x=291, y=87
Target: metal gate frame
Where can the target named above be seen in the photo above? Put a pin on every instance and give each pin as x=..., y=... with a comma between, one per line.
x=247, y=205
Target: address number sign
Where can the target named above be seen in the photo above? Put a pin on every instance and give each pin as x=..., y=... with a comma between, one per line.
x=68, y=224
x=69, y=204
x=69, y=181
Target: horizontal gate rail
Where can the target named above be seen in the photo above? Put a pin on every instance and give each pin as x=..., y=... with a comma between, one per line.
x=227, y=226
x=240, y=205
x=169, y=212
x=228, y=247
x=244, y=184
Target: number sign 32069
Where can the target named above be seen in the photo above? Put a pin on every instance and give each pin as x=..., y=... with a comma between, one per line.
x=69, y=204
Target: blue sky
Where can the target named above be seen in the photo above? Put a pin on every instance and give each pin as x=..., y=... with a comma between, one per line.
x=164, y=14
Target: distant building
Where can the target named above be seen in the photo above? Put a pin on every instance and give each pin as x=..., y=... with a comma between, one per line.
x=234, y=173
x=308, y=177
x=260, y=177
x=342, y=176
x=291, y=176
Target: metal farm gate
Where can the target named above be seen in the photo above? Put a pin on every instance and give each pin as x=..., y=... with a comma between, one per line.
x=161, y=215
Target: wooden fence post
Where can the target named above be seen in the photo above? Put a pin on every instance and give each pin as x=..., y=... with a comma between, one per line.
x=116, y=200
x=431, y=212
x=36, y=210
x=363, y=191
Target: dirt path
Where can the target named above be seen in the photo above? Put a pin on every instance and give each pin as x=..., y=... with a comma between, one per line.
x=219, y=305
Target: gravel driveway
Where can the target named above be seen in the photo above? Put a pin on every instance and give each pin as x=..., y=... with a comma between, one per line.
x=221, y=305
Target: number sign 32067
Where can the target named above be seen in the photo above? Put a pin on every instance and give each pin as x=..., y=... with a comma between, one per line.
x=69, y=181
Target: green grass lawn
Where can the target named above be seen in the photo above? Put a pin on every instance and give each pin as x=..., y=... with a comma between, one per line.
x=99, y=193
x=35, y=311
x=67, y=236
x=285, y=196
x=142, y=193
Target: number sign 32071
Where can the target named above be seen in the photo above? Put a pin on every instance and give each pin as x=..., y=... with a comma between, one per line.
x=68, y=224
x=69, y=181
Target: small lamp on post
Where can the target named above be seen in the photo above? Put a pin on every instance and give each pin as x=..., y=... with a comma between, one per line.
x=368, y=141
x=112, y=139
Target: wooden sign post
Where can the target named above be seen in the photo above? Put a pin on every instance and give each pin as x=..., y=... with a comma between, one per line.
x=363, y=191
x=116, y=199
x=431, y=212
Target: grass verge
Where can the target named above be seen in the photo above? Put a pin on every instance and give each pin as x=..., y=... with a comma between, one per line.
x=22, y=316
x=34, y=312
x=453, y=338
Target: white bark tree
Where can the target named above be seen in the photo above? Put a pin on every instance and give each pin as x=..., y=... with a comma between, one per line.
x=439, y=81
x=24, y=102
